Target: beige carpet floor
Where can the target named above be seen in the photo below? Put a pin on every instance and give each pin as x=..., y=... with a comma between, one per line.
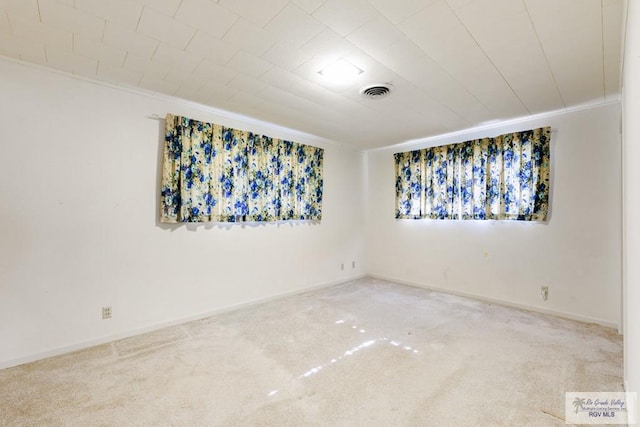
x=365, y=353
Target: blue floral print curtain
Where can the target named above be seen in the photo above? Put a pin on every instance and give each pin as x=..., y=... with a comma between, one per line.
x=504, y=178
x=213, y=173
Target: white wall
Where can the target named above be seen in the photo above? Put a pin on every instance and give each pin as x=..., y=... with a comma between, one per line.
x=577, y=253
x=78, y=221
x=631, y=137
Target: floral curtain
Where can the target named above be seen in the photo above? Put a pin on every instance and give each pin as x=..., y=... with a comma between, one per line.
x=506, y=177
x=213, y=173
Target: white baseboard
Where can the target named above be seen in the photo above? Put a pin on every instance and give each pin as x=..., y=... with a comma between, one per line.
x=562, y=314
x=126, y=334
x=160, y=325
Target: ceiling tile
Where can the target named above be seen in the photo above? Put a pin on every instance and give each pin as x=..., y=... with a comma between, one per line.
x=397, y=11
x=169, y=55
x=345, y=16
x=180, y=74
x=258, y=12
x=475, y=112
x=214, y=72
x=161, y=27
x=309, y=6
x=138, y=64
x=484, y=13
x=518, y=57
x=509, y=31
x=246, y=84
x=482, y=78
x=425, y=26
x=191, y=88
x=502, y=103
x=21, y=9
x=571, y=36
x=531, y=79
x=407, y=126
x=402, y=53
x=280, y=78
x=66, y=61
x=374, y=72
x=286, y=55
x=249, y=37
x=206, y=17
x=539, y=94
x=457, y=4
x=443, y=37
x=5, y=27
x=35, y=53
x=93, y=49
x=211, y=48
x=432, y=111
x=320, y=96
x=244, y=100
x=294, y=25
x=125, y=13
x=166, y=7
x=15, y=47
x=158, y=85
x=576, y=91
x=326, y=48
x=213, y=92
x=376, y=35
x=51, y=37
x=275, y=96
x=288, y=117
x=9, y=50
x=67, y=18
x=566, y=16
x=439, y=32
x=118, y=75
x=428, y=75
x=510, y=59
x=249, y=64
x=326, y=43
x=517, y=50
x=577, y=64
x=452, y=63
x=121, y=38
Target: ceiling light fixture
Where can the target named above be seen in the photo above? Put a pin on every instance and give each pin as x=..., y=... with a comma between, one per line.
x=341, y=71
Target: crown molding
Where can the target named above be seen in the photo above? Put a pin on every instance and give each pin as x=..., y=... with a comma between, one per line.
x=496, y=124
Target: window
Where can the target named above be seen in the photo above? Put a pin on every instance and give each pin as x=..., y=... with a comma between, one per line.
x=214, y=173
x=505, y=178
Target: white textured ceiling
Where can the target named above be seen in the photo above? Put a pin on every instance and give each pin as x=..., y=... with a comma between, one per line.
x=453, y=64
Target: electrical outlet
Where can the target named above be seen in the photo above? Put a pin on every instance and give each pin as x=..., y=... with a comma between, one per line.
x=353, y=264
x=342, y=266
x=106, y=312
x=544, y=292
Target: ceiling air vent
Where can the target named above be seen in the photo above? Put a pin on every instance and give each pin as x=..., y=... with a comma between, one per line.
x=376, y=91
